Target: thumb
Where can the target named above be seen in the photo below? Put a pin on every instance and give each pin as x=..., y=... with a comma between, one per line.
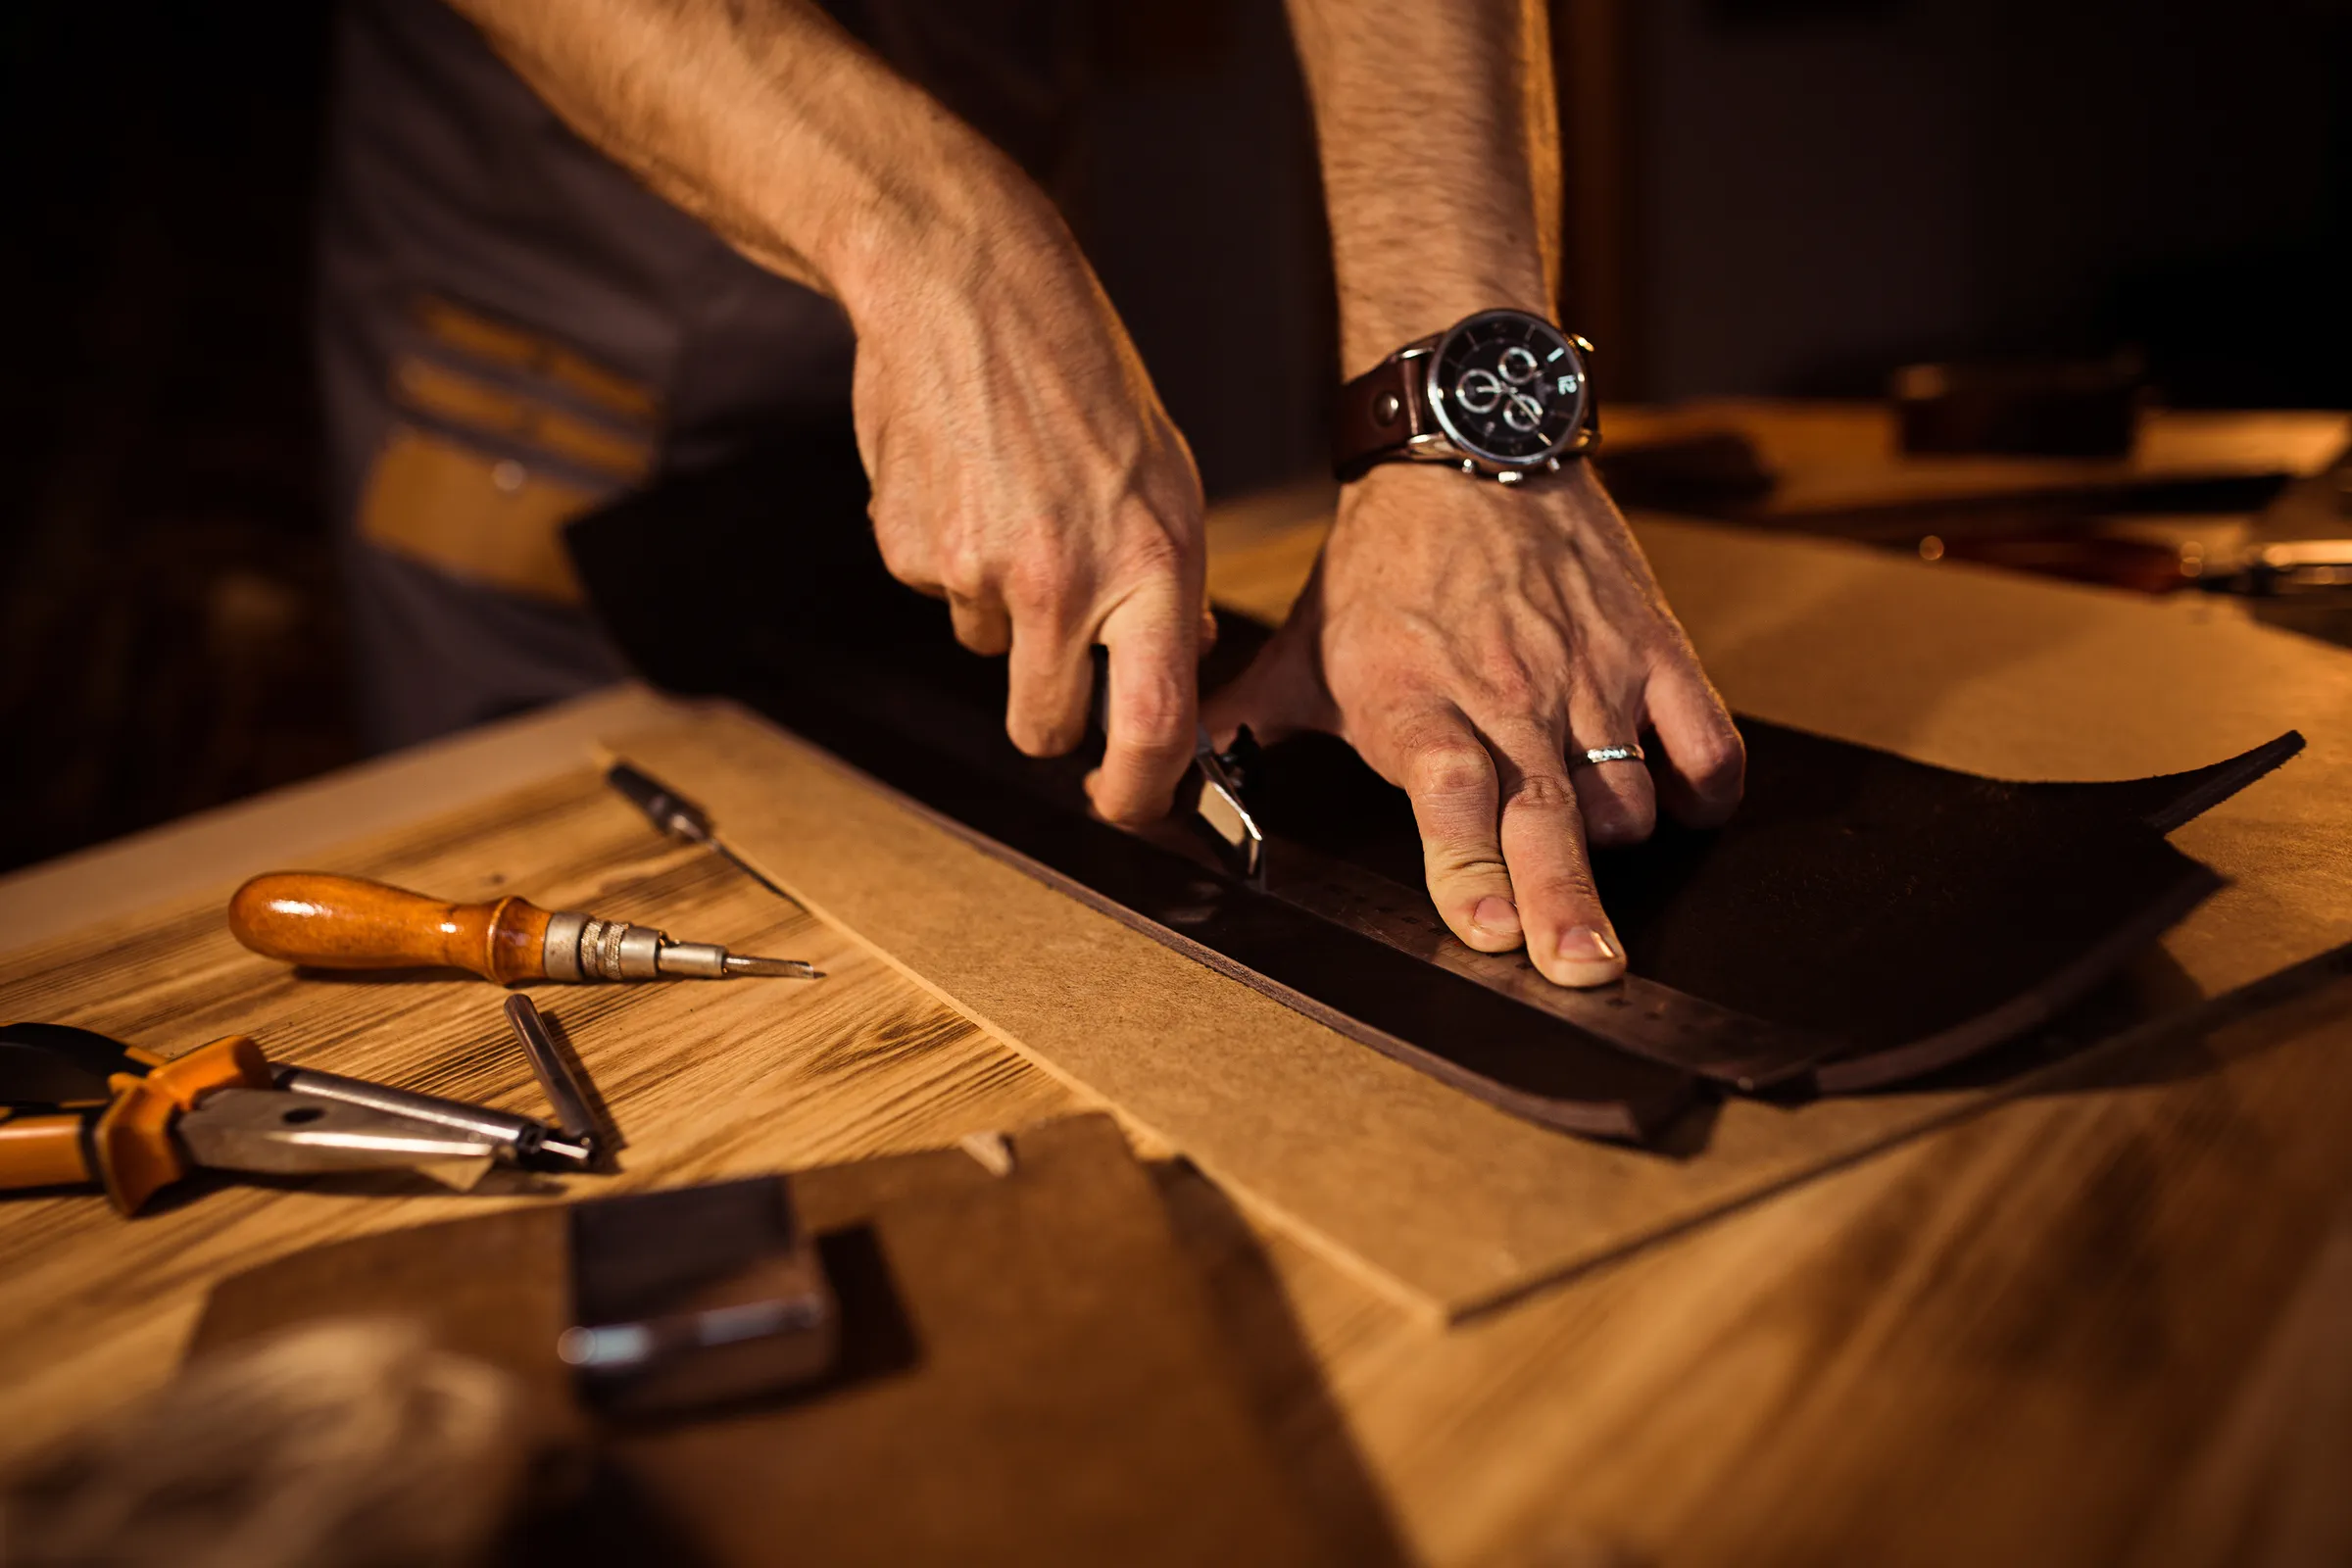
x=1280, y=694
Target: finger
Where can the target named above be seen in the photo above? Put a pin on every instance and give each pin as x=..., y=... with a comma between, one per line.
x=1153, y=637
x=1616, y=800
x=907, y=552
x=980, y=624
x=1052, y=675
x=1569, y=937
x=1449, y=777
x=1706, y=762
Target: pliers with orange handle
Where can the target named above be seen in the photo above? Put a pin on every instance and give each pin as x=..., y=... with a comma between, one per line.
x=77, y=1108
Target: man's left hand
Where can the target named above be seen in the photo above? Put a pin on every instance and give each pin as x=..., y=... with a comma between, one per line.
x=1470, y=638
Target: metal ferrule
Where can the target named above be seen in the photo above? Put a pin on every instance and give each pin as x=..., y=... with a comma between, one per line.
x=580, y=948
x=562, y=950
x=700, y=961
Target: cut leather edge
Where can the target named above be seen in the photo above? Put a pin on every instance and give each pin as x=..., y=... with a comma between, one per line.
x=2069, y=984
x=2167, y=800
x=1635, y=1123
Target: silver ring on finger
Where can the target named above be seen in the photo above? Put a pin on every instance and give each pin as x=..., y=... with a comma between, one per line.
x=1630, y=752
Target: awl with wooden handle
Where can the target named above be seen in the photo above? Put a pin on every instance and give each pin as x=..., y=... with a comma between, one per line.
x=346, y=922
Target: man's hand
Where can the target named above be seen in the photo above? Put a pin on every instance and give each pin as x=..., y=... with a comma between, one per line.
x=1469, y=639
x=1022, y=466
x=1025, y=471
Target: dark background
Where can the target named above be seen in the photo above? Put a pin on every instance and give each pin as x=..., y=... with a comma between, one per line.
x=1767, y=196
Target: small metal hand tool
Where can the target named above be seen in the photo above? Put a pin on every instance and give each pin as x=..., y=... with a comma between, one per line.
x=2277, y=570
x=520, y=1139
x=1215, y=786
x=563, y=1088
x=78, y=1107
x=677, y=817
x=344, y=922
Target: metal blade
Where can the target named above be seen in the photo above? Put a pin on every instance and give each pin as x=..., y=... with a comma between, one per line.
x=1640, y=1016
x=520, y=1139
x=774, y=968
x=278, y=1133
x=1218, y=803
x=557, y=1080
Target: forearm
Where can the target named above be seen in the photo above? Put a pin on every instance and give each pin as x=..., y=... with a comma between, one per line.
x=1440, y=161
x=766, y=121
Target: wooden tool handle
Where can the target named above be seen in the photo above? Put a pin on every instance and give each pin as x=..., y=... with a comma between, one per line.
x=346, y=922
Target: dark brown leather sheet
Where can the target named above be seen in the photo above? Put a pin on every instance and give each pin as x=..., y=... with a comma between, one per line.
x=1910, y=914
x=1876, y=917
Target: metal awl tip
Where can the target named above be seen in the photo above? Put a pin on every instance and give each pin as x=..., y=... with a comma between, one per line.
x=774, y=968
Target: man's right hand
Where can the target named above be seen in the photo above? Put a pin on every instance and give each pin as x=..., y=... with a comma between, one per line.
x=1024, y=470
x=1022, y=466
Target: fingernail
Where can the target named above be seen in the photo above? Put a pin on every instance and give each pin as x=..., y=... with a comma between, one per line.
x=1585, y=958
x=1497, y=915
x=1584, y=945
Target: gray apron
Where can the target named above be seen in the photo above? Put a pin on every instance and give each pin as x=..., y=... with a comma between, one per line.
x=510, y=328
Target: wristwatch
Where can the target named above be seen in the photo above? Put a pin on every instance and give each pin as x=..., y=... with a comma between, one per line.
x=1500, y=393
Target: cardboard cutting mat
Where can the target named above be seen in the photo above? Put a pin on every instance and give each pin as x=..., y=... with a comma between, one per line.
x=1449, y=1204
x=1437, y=1198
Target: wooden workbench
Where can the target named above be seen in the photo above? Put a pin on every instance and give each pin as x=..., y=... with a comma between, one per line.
x=2107, y=1320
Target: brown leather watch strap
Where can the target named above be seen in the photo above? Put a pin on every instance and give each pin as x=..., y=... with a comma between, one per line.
x=1376, y=415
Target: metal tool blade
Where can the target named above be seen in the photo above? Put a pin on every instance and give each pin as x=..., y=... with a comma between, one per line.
x=563, y=1088
x=1216, y=796
x=520, y=1139
x=277, y=1132
x=2287, y=567
x=1639, y=1016
x=669, y=811
x=708, y=960
x=1654, y=1021
x=679, y=819
x=772, y=968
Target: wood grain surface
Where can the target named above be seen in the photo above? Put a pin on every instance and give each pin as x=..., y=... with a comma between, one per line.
x=701, y=1078
x=2108, y=1320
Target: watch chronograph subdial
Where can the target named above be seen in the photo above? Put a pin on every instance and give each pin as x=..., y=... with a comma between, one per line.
x=1508, y=387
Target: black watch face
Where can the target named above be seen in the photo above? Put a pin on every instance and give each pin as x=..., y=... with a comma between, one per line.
x=1508, y=387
